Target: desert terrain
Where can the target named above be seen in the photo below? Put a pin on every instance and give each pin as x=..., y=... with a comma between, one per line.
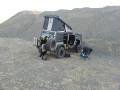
x=21, y=68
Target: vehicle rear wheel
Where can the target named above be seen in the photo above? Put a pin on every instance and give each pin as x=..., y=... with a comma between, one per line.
x=60, y=52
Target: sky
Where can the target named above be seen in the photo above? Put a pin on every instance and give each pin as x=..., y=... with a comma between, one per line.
x=10, y=7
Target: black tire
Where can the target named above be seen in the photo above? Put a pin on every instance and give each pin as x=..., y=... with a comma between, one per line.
x=60, y=52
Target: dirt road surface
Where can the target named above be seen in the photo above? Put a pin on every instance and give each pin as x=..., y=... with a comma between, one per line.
x=21, y=68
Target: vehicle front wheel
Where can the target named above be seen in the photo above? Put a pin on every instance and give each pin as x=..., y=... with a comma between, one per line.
x=60, y=52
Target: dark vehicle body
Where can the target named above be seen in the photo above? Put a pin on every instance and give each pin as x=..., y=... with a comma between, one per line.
x=60, y=37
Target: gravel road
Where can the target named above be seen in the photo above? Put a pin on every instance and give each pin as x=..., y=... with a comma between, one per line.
x=22, y=69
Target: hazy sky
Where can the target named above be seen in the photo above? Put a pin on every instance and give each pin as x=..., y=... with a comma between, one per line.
x=10, y=7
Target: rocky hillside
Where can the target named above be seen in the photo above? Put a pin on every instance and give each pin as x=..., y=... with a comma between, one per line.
x=99, y=23
x=23, y=25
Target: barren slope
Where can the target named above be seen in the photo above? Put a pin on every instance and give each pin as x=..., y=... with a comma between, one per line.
x=98, y=23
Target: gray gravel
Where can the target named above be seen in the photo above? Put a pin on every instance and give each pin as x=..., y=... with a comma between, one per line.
x=22, y=69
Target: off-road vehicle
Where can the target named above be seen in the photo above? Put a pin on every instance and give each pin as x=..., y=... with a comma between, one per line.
x=60, y=39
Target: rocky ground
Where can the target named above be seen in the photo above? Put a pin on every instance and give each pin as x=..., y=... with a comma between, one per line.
x=22, y=69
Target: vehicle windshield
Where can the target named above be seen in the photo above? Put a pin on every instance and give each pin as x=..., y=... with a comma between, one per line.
x=48, y=34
